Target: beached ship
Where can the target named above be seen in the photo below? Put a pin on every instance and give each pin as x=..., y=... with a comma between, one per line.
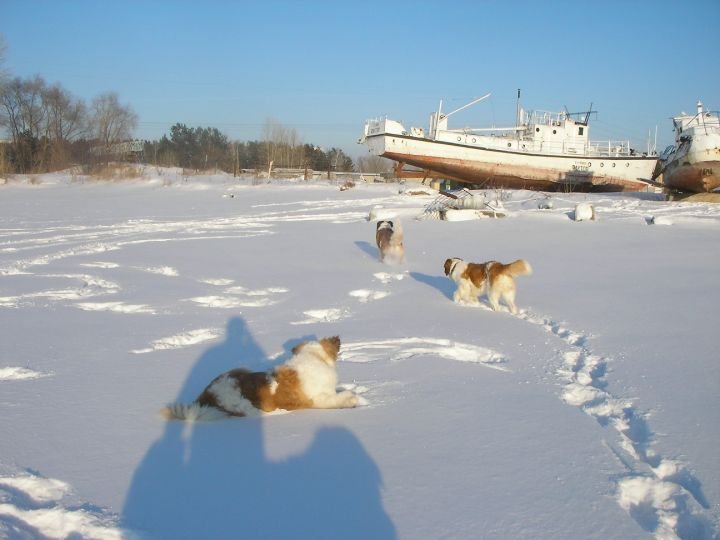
x=543, y=151
x=692, y=164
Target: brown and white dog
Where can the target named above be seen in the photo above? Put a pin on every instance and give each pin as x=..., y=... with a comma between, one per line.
x=495, y=278
x=307, y=381
x=389, y=239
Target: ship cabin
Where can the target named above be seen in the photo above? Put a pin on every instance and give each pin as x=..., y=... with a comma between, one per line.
x=554, y=132
x=686, y=124
x=560, y=133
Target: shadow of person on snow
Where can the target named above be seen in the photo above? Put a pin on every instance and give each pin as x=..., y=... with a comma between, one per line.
x=213, y=479
x=238, y=350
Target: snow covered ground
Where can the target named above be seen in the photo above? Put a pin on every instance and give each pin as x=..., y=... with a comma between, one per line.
x=594, y=413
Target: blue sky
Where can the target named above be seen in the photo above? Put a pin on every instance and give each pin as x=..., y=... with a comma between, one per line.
x=324, y=67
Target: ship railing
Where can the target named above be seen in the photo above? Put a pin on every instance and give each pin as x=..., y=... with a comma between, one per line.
x=544, y=118
x=508, y=142
x=592, y=148
x=609, y=148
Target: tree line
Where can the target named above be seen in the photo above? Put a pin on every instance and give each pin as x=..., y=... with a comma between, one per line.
x=207, y=148
x=47, y=129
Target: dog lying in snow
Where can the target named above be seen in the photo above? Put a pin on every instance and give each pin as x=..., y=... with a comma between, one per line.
x=495, y=278
x=306, y=381
x=389, y=240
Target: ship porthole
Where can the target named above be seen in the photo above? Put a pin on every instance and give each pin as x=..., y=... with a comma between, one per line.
x=459, y=139
x=509, y=145
x=554, y=131
x=474, y=140
x=602, y=164
x=589, y=164
x=613, y=164
x=627, y=164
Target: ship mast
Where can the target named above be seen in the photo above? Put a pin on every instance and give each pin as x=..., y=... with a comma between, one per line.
x=517, y=115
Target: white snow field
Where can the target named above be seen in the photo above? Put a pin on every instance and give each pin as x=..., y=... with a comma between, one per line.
x=593, y=413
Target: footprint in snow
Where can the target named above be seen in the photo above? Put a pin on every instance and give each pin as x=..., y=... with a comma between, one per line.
x=115, y=307
x=387, y=277
x=666, y=497
x=20, y=374
x=404, y=348
x=323, y=315
x=86, y=286
x=100, y=264
x=380, y=393
x=235, y=297
x=220, y=282
x=162, y=270
x=36, y=505
x=179, y=341
x=365, y=295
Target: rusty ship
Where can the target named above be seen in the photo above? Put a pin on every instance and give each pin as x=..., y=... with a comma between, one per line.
x=544, y=151
x=692, y=164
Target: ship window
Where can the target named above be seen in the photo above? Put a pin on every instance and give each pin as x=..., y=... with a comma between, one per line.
x=554, y=131
x=580, y=131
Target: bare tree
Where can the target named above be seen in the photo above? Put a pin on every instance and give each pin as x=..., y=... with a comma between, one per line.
x=273, y=138
x=110, y=121
x=374, y=164
x=4, y=149
x=66, y=115
x=66, y=121
x=22, y=106
x=283, y=146
x=4, y=74
x=23, y=116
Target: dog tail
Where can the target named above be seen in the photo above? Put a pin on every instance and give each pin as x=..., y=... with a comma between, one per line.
x=519, y=268
x=190, y=412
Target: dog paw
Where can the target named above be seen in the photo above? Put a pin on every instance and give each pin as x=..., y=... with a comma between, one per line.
x=359, y=401
x=354, y=388
x=351, y=400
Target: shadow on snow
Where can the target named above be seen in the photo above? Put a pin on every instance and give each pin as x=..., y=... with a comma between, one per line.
x=213, y=480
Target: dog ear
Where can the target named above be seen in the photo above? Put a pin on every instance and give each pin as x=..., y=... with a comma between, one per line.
x=447, y=264
x=392, y=225
x=377, y=226
x=297, y=348
x=331, y=345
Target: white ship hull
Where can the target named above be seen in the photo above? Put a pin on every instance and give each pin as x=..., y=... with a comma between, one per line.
x=544, y=151
x=514, y=168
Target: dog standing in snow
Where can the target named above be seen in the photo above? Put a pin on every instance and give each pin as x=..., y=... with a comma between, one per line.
x=307, y=381
x=495, y=278
x=389, y=240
